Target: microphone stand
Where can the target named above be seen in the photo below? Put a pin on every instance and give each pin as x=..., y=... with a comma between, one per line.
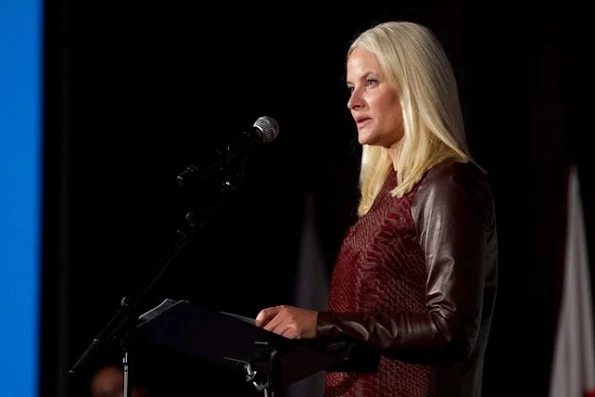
x=122, y=325
x=237, y=149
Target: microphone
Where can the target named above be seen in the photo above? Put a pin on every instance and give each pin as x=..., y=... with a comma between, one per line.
x=265, y=129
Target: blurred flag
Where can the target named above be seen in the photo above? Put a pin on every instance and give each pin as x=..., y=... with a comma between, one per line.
x=573, y=366
x=311, y=290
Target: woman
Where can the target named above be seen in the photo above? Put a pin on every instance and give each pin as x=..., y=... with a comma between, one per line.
x=415, y=280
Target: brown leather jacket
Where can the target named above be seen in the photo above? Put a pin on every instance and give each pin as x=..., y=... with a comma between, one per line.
x=454, y=222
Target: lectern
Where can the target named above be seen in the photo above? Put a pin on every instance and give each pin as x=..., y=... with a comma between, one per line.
x=233, y=343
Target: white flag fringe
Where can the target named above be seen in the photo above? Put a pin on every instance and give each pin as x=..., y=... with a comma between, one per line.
x=573, y=365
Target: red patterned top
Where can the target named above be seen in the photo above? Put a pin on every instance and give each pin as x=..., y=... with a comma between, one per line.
x=381, y=269
x=415, y=284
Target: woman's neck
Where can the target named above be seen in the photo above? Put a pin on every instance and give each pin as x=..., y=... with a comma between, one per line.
x=394, y=153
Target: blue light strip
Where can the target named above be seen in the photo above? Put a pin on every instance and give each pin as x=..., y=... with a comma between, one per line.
x=21, y=68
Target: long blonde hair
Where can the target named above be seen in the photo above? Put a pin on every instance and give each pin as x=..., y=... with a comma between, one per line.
x=415, y=63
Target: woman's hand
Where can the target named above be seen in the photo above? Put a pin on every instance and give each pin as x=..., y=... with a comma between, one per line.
x=288, y=321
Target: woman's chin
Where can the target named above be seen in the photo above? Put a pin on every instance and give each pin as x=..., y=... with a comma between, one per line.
x=364, y=139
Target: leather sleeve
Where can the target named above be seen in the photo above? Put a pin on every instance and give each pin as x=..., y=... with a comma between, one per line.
x=453, y=215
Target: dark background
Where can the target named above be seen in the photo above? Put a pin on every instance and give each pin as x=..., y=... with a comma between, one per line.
x=136, y=91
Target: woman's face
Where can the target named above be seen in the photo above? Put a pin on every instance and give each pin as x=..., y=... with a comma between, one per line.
x=374, y=103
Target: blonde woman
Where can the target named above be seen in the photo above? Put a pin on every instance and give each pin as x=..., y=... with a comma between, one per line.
x=414, y=286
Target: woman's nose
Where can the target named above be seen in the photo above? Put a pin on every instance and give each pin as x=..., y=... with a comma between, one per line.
x=355, y=101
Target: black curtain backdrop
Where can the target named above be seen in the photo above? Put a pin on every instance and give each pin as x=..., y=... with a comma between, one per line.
x=137, y=91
